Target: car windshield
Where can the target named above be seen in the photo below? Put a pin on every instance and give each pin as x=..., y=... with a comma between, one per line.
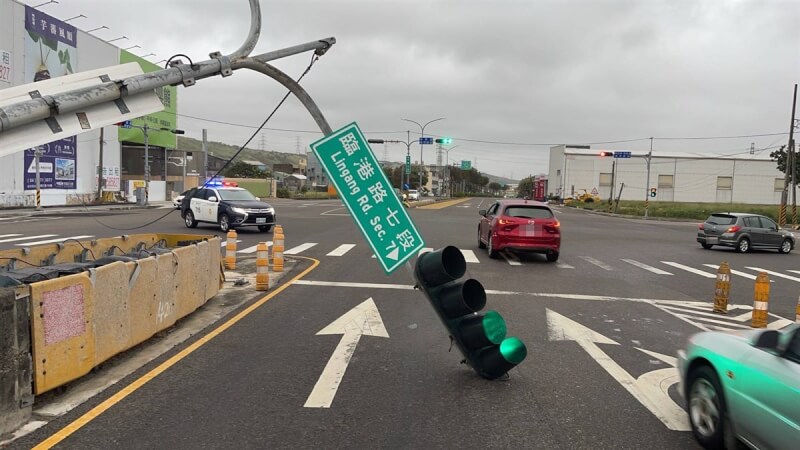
x=721, y=219
x=528, y=212
x=236, y=194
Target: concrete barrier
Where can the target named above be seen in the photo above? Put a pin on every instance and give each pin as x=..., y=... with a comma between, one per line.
x=16, y=396
x=79, y=321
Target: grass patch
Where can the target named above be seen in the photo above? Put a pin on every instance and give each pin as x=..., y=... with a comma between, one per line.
x=674, y=210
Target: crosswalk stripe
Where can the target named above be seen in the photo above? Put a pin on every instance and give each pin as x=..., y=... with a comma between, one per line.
x=793, y=271
x=736, y=272
x=51, y=241
x=646, y=267
x=17, y=239
x=253, y=249
x=706, y=313
x=562, y=265
x=777, y=274
x=689, y=269
x=511, y=258
x=341, y=250
x=300, y=248
x=469, y=256
x=596, y=262
x=9, y=235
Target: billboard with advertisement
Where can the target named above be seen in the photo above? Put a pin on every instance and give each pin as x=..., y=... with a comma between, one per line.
x=164, y=119
x=50, y=49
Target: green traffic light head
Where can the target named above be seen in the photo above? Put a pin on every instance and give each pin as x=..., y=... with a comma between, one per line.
x=495, y=361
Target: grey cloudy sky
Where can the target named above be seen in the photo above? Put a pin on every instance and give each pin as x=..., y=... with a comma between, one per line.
x=502, y=72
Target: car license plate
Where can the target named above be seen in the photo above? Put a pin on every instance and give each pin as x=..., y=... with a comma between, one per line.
x=712, y=240
x=261, y=220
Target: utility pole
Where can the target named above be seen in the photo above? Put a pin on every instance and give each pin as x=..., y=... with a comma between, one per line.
x=146, y=165
x=789, y=168
x=647, y=186
x=205, y=157
x=100, y=170
x=793, y=153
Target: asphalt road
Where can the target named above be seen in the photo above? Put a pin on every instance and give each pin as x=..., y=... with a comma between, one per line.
x=613, y=312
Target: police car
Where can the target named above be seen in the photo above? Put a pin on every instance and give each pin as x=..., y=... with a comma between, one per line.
x=229, y=207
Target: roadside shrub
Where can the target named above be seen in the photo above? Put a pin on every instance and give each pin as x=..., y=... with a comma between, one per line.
x=283, y=193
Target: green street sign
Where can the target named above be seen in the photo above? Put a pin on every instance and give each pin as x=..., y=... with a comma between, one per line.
x=466, y=164
x=408, y=164
x=366, y=192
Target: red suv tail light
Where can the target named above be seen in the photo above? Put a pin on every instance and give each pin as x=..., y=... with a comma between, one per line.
x=733, y=229
x=552, y=227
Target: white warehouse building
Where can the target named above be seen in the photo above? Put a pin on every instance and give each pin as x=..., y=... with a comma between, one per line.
x=678, y=177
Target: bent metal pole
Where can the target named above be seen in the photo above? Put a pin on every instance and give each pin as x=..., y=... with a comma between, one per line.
x=29, y=111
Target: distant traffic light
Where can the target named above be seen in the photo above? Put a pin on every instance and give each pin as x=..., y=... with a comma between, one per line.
x=446, y=140
x=480, y=337
x=606, y=153
x=652, y=192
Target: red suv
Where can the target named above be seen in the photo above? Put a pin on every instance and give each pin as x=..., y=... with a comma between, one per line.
x=520, y=225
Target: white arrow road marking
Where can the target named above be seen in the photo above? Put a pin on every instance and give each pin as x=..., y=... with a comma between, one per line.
x=650, y=389
x=361, y=320
x=646, y=267
x=777, y=274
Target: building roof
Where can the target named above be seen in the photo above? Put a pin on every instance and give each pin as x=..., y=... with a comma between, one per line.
x=742, y=155
x=254, y=163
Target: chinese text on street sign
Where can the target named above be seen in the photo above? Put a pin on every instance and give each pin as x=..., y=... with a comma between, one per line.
x=408, y=164
x=364, y=189
x=622, y=154
x=426, y=140
x=466, y=164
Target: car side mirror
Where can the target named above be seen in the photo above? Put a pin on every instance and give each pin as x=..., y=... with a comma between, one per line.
x=212, y=199
x=482, y=212
x=767, y=340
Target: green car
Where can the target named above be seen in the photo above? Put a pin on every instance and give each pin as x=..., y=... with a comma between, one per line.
x=745, y=386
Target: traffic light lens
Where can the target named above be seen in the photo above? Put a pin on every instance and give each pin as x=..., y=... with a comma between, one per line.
x=513, y=350
x=494, y=326
x=464, y=298
x=442, y=266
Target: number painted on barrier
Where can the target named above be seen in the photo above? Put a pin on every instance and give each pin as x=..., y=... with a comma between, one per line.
x=164, y=311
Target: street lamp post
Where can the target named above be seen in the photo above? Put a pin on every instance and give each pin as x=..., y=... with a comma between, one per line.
x=422, y=135
x=447, y=167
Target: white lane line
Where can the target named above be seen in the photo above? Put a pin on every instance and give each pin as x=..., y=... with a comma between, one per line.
x=51, y=241
x=793, y=271
x=596, y=262
x=736, y=272
x=253, y=249
x=777, y=274
x=707, y=321
x=706, y=313
x=28, y=237
x=689, y=269
x=224, y=243
x=469, y=256
x=9, y=235
x=562, y=265
x=341, y=250
x=646, y=267
x=511, y=258
x=778, y=324
x=300, y=248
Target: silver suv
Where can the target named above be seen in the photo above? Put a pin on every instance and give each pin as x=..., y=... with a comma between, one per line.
x=744, y=232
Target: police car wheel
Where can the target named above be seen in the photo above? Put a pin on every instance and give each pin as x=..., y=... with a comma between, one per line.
x=189, y=220
x=224, y=223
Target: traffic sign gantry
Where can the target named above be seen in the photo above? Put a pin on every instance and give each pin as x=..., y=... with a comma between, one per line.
x=481, y=338
x=367, y=194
